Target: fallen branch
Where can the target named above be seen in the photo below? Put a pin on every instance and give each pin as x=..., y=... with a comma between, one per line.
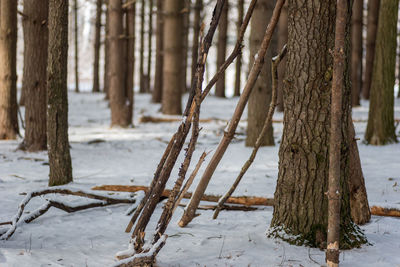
x=387, y=212
x=224, y=207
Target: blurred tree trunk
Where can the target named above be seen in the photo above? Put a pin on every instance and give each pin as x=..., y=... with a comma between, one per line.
x=186, y=24
x=356, y=51
x=158, y=78
x=372, y=25
x=130, y=13
x=57, y=95
x=380, y=127
x=196, y=35
x=8, y=70
x=260, y=97
x=107, y=54
x=238, y=70
x=173, y=55
x=142, y=78
x=96, y=83
x=36, y=37
x=221, y=53
x=282, y=40
x=150, y=46
x=76, y=46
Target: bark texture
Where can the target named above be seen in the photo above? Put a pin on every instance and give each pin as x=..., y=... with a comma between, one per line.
x=173, y=55
x=282, y=40
x=57, y=95
x=221, y=49
x=356, y=51
x=96, y=82
x=380, y=127
x=36, y=37
x=238, y=70
x=157, y=91
x=260, y=97
x=8, y=70
x=300, y=203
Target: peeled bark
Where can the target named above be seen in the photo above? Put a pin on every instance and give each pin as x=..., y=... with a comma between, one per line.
x=8, y=70
x=221, y=53
x=238, y=70
x=57, y=95
x=282, y=40
x=196, y=34
x=76, y=52
x=96, y=83
x=36, y=37
x=173, y=55
x=380, y=127
x=157, y=91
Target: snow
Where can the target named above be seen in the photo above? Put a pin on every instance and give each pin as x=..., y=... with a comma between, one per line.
x=130, y=156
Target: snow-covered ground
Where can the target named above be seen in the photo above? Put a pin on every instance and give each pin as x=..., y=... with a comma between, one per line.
x=129, y=156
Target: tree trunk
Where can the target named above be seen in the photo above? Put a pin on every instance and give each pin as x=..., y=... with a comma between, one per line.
x=8, y=70
x=221, y=53
x=173, y=55
x=76, y=54
x=372, y=25
x=57, y=95
x=142, y=78
x=36, y=37
x=300, y=203
x=130, y=39
x=96, y=83
x=238, y=70
x=380, y=127
x=282, y=40
x=260, y=97
x=356, y=52
x=196, y=35
x=150, y=46
x=157, y=91
x=22, y=97
x=107, y=54
x=119, y=101
x=185, y=32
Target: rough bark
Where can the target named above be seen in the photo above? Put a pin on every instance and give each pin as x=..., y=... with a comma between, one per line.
x=221, y=49
x=238, y=70
x=380, y=127
x=372, y=25
x=35, y=27
x=157, y=90
x=76, y=51
x=106, y=77
x=57, y=95
x=8, y=71
x=96, y=83
x=149, y=46
x=142, y=78
x=198, y=7
x=173, y=55
x=261, y=95
x=356, y=51
x=282, y=40
x=300, y=203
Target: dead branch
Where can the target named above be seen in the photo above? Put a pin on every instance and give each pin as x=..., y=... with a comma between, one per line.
x=274, y=69
x=224, y=207
x=382, y=211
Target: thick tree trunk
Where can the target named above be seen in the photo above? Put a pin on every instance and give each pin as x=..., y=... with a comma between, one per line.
x=76, y=52
x=356, y=51
x=185, y=32
x=57, y=95
x=238, y=70
x=282, y=40
x=96, y=83
x=260, y=97
x=8, y=70
x=142, y=78
x=300, y=202
x=107, y=54
x=157, y=91
x=198, y=7
x=36, y=37
x=221, y=53
x=372, y=25
x=22, y=98
x=149, y=46
x=172, y=69
x=380, y=127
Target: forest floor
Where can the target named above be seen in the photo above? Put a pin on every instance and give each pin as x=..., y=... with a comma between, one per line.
x=130, y=156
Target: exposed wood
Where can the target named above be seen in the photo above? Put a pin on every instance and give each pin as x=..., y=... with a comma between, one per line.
x=382, y=211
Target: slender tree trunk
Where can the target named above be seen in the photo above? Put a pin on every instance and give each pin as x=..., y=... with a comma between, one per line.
x=150, y=46
x=282, y=40
x=57, y=95
x=129, y=59
x=380, y=127
x=158, y=78
x=185, y=32
x=36, y=37
x=142, y=78
x=76, y=46
x=221, y=53
x=238, y=70
x=107, y=54
x=173, y=55
x=260, y=97
x=8, y=70
x=96, y=83
x=356, y=51
x=372, y=25
x=300, y=201
x=198, y=7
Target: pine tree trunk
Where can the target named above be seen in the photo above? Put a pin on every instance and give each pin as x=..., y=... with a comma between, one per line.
x=142, y=78
x=107, y=54
x=173, y=55
x=356, y=51
x=57, y=95
x=282, y=40
x=380, y=127
x=158, y=78
x=221, y=53
x=260, y=97
x=36, y=37
x=186, y=24
x=96, y=83
x=196, y=35
x=372, y=25
x=238, y=70
x=8, y=70
x=76, y=54
x=150, y=46
x=300, y=202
